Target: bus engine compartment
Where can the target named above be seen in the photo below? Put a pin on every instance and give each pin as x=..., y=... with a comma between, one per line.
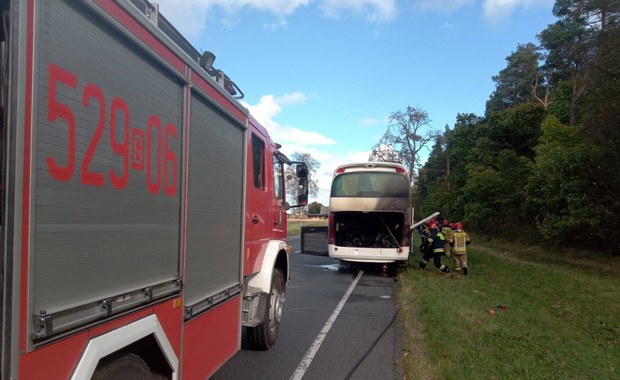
x=368, y=229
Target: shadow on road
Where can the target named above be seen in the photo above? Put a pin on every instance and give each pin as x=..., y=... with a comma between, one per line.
x=370, y=269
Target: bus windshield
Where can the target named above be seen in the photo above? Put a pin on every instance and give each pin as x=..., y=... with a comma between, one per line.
x=370, y=185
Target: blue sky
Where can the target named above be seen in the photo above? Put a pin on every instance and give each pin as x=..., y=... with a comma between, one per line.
x=323, y=75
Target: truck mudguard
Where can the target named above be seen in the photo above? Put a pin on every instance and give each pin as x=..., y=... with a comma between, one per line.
x=113, y=341
x=262, y=280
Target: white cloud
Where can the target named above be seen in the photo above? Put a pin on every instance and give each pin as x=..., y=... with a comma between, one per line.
x=291, y=98
x=447, y=26
x=282, y=23
x=269, y=106
x=444, y=6
x=496, y=11
x=279, y=7
x=190, y=16
x=375, y=10
x=370, y=121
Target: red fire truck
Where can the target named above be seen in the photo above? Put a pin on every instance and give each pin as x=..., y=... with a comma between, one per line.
x=143, y=210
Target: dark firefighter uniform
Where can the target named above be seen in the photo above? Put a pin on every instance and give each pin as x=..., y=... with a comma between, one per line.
x=424, y=233
x=436, y=240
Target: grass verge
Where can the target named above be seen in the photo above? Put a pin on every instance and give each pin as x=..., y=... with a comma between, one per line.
x=294, y=227
x=561, y=320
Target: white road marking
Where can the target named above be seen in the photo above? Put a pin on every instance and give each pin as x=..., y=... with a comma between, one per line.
x=314, y=348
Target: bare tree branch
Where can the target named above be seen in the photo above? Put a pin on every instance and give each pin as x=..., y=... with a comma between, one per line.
x=409, y=132
x=546, y=102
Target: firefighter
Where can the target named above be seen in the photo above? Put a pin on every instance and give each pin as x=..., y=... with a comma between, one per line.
x=436, y=241
x=424, y=232
x=460, y=241
x=446, y=230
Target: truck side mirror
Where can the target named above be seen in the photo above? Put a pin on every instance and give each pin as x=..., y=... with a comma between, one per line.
x=301, y=170
x=302, y=197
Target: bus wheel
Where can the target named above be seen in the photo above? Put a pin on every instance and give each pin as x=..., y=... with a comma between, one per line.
x=125, y=366
x=264, y=335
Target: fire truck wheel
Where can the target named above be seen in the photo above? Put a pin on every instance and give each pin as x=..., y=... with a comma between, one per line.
x=125, y=366
x=264, y=335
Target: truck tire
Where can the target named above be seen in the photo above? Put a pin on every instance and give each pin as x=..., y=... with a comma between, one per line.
x=125, y=366
x=264, y=335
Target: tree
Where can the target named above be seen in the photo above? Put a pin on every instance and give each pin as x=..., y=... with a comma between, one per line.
x=517, y=128
x=492, y=196
x=572, y=42
x=443, y=177
x=560, y=192
x=544, y=164
x=384, y=153
x=291, y=178
x=601, y=118
x=520, y=82
x=408, y=133
x=477, y=172
x=315, y=208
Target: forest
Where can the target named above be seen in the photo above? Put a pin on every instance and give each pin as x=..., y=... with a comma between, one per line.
x=543, y=163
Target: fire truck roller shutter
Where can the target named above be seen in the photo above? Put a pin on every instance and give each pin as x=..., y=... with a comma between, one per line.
x=215, y=201
x=106, y=202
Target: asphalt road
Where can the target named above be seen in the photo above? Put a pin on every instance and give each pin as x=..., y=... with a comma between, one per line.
x=314, y=295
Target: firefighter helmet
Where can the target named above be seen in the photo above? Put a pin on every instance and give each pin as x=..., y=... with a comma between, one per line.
x=432, y=224
x=446, y=222
x=458, y=226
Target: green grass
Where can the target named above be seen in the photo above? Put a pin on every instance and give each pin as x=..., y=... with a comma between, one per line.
x=562, y=321
x=294, y=227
